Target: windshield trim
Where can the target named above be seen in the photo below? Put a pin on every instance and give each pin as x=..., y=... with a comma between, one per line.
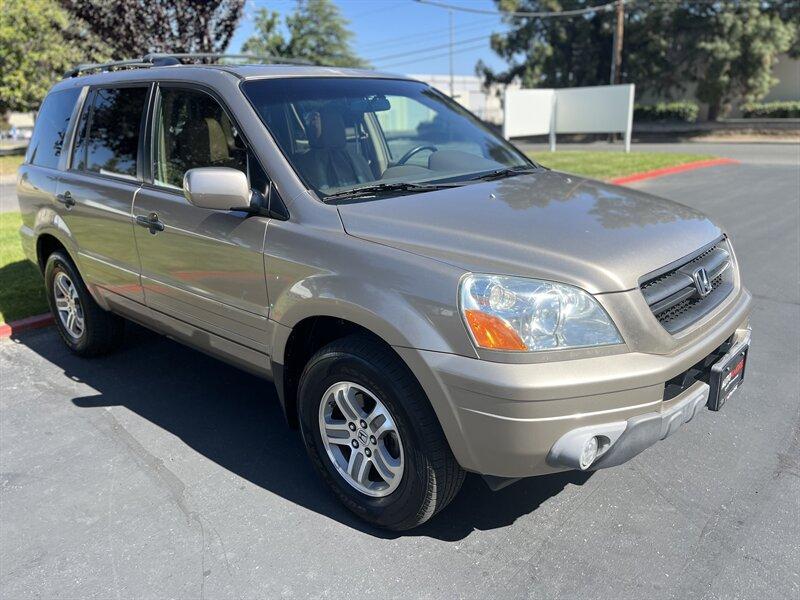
x=321, y=196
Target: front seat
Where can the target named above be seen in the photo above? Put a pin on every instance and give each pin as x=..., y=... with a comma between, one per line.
x=328, y=163
x=203, y=143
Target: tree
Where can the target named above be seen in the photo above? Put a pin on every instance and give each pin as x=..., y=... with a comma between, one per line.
x=727, y=48
x=267, y=41
x=552, y=52
x=736, y=52
x=38, y=43
x=315, y=32
x=133, y=28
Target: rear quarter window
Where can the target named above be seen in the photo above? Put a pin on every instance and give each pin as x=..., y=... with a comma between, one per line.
x=51, y=127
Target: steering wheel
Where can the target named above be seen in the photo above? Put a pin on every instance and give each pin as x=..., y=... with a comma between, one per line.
x=405, y=158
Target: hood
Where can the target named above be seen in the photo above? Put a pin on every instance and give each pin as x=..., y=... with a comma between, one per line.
x=549, y=225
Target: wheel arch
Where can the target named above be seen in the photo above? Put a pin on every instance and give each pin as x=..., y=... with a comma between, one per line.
x=300, y=342
x=46, y=244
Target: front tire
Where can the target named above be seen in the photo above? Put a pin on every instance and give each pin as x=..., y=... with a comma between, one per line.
x=372, y=435
x=86, y=329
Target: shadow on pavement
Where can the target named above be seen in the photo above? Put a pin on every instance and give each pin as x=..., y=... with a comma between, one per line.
x=234, y=419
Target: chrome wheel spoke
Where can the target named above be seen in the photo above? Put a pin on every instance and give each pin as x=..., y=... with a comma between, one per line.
x=61, y=304
x=337, y=433
x=382, y=424
x=347, y=403
x=358, y=468
x=61, y=284
x=387, y=466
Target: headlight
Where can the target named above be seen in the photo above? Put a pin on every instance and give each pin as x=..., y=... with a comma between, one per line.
x=525, y=315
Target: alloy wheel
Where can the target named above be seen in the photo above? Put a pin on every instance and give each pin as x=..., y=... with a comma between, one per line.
x=361, y=439
x=68, y=305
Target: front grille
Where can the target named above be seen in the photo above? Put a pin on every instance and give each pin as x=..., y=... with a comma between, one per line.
x=672, y=294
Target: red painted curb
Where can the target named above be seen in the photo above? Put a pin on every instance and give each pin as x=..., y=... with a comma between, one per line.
x=691, y=166
x=37, y=322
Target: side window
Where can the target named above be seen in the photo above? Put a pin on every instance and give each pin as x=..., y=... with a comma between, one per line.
x=51, y=127
x=191, y=131
x=107, y=140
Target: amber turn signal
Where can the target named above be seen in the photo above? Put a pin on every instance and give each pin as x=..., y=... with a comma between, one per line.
x=493, y=332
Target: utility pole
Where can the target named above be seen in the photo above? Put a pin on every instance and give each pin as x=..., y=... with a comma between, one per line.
x=616, y=49
x=452, y=41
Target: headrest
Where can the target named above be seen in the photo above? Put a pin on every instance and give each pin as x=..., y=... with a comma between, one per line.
x=333, y=132
x=204, y=140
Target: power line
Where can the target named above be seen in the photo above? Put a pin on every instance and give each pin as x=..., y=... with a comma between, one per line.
x=430, y=33
x=442, y=55
x=538, y=15
x=429, y=48
x=383, y=8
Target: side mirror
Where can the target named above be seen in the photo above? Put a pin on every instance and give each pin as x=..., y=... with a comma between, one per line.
x=216, y=188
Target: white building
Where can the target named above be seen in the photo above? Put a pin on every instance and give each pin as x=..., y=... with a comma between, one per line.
x=468, y=91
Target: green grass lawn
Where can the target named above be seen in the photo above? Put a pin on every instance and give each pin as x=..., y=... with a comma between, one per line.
x=9, y=163
x=21, y=286
x=609, y=165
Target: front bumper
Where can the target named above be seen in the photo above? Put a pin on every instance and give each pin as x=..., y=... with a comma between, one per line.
x=504, y=420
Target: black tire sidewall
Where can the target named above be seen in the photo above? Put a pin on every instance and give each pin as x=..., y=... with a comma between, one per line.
x=406, y=502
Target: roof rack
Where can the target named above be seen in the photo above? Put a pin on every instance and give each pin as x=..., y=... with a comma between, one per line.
x=168, y=59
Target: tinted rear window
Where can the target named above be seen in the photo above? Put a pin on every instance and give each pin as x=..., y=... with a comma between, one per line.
x=51, y=127
x=108, y=134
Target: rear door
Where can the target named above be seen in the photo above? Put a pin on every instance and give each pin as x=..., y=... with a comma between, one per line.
x=98, y=189
x=204, y=268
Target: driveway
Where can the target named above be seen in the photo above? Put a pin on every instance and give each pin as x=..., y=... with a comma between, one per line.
x=159, y=472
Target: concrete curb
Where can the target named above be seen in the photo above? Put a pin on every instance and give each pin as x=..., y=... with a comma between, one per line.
x=36, y=322
x=691, y=166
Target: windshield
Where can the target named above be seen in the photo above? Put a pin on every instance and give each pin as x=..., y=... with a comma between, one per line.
x=345, y=134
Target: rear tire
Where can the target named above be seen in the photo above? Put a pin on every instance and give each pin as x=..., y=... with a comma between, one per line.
x=408, y=434
x=86, y=329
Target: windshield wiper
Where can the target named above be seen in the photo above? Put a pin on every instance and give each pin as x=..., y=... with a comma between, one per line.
x=503, y=173
x=400, y=186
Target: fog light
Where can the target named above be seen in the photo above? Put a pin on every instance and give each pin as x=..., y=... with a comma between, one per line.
x=589, y=452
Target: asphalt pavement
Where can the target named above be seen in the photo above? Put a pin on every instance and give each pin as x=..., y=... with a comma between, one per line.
x=159, y=472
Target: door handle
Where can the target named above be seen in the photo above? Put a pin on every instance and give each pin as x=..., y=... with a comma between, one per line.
x=150, y=222
x=66, y=199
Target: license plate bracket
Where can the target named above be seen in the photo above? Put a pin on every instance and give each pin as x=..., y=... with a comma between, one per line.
x=727, y=375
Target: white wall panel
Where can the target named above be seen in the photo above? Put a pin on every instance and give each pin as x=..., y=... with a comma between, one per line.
x=528, y=112
x=597, y=109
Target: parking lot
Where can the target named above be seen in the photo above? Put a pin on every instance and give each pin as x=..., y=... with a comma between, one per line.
x=160, y=472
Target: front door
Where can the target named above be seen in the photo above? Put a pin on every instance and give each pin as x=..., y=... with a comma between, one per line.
x=203, y=268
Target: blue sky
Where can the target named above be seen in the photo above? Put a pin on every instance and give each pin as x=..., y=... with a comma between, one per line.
x=387, y=31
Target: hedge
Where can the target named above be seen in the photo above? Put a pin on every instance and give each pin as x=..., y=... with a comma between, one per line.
x=666, y=111
x=789, y=109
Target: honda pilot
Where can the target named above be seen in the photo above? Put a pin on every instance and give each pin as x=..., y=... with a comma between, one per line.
x=426, y=299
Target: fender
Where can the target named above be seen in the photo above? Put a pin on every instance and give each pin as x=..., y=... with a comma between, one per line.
x=49, y=222
x=396, y=318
